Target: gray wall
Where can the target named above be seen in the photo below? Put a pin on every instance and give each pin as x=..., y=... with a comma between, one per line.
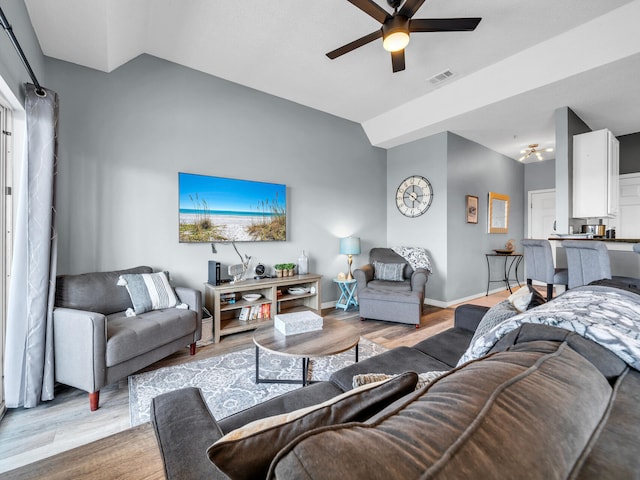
x=11, y=69
x=539, y=175
x=426, y=157
x=629, y=153
x=568, y=124
x=456, y=167
x=477, y=170
x=124, y=137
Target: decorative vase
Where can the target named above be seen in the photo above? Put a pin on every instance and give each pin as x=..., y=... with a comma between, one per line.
x=303, y=264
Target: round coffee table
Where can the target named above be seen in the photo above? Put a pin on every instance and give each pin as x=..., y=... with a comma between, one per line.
x=335, y=337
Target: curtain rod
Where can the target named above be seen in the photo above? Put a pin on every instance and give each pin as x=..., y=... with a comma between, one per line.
x=7, y=28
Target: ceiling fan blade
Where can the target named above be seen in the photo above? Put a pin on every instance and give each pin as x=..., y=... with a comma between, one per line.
x=372, y=9
x=355, y=44
x=443, y=24
x=397, y=61
x=410, y=8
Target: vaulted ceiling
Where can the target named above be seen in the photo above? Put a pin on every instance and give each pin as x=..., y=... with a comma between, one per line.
x=523, y=61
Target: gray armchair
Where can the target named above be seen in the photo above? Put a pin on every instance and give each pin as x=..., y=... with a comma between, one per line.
x=96, y=344
x=398, y=300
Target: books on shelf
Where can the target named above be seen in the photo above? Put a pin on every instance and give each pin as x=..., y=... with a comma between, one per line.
x=244, y=314
x=255, y=312
x=227, y=298
x=298, y=322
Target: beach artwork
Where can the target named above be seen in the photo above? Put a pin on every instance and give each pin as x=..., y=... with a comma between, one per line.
x=217, y=209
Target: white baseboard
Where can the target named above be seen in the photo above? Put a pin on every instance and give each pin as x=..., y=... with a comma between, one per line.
x=441, y=304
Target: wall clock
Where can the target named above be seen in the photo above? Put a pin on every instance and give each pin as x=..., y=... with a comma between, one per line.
x=414, y=196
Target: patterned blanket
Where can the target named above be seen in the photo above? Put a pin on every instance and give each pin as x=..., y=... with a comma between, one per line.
x=605, y=315
x=415, y=256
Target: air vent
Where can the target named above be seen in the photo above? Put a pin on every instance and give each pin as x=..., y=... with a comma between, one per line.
x=441, y=77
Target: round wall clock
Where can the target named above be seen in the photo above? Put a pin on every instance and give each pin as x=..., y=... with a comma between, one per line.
x=414, y=196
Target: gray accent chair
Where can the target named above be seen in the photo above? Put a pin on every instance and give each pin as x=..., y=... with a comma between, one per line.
x=395, y=301
x=539, y=265
x=96, y=344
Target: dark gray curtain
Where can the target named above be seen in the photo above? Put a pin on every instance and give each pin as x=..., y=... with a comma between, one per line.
x=29, y=373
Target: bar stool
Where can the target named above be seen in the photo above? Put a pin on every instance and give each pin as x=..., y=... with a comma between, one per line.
x=539, y=266
x=587, y=262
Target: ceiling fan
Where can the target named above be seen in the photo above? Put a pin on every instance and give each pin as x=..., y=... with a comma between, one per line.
x=397, y=26
x=533, y=150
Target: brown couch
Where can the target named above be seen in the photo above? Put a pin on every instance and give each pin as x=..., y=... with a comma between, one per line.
x=544, y=403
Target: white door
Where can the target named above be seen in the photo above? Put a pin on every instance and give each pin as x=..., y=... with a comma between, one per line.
x=542, y=213
x=628, y=221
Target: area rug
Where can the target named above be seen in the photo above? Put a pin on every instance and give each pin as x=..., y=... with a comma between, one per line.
x=228, y=381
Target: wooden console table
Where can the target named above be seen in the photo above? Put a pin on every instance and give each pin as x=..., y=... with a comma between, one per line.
x=226, y=315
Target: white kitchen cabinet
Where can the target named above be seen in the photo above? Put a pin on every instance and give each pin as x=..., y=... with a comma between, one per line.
x=595, y=174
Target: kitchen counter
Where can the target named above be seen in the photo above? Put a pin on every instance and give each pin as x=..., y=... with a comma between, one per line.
x=618, y=244
x=597, y=239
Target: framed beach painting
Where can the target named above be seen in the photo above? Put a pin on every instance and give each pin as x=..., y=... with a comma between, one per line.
x=218, y=209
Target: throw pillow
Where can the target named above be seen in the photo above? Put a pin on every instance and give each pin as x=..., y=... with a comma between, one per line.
x=424, y=379
x=520, y=299
x=246, y=453
x=148, y=291
x=495, y=316
x=388, y=271
x=536, y=298
x=525, y=298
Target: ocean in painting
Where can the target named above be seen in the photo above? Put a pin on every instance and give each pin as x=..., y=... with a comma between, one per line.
x=191, y=213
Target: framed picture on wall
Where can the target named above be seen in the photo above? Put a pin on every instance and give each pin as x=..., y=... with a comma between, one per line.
x=472, y=209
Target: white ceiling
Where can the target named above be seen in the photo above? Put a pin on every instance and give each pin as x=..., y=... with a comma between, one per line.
x=523, y=61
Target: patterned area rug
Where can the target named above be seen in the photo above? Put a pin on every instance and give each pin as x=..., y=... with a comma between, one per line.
x=228, y=381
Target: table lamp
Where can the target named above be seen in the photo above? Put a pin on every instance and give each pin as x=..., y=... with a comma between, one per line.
x=350, y=246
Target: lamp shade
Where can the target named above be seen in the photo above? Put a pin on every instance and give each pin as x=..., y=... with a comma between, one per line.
x=350, y=246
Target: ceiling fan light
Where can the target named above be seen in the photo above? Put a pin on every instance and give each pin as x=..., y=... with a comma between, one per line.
x=396, y=41
x=395, y=33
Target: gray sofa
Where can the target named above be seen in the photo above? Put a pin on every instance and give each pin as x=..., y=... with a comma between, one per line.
x=395, y=301
x=544, y=403
x=96, y=344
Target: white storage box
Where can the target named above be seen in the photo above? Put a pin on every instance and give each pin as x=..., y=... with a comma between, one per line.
x=297, y=322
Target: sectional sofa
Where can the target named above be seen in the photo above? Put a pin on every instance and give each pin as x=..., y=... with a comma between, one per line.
x=548, y=399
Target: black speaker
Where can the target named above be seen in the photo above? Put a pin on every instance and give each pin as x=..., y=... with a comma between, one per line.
x=214, y=272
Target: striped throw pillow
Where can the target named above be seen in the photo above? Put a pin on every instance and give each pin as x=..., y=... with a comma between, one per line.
x=388, y=271
x=148, y=291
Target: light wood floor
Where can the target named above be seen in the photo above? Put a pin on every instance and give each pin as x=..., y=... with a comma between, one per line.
x=62, y=439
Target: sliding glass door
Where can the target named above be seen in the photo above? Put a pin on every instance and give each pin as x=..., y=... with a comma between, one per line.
x=6, y=179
